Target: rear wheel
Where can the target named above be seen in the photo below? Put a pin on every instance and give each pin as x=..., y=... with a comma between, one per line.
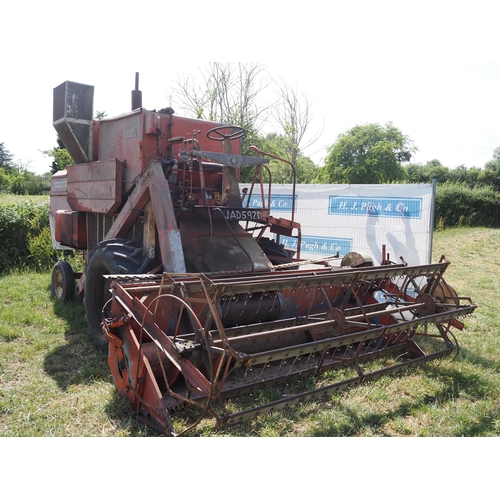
x=115, y=256
x=63, y=282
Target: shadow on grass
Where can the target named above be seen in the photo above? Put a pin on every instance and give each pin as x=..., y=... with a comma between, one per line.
x=451, y=385
x=120, y=412
x=78, y=361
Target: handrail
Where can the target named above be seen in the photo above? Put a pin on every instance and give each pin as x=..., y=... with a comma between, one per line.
x=294, y=179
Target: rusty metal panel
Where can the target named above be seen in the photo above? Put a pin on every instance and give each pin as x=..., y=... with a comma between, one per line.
x=71, y=229
x=121, y=137
x=95, y=187
x=72, y=118
x=151, y=123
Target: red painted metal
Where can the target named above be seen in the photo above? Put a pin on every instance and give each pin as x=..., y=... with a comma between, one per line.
x=95, y=187
x=70, y=229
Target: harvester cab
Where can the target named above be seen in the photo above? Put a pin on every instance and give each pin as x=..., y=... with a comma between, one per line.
x=190, y=292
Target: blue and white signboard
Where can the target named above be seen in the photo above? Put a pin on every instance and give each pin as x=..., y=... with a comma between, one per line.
x=358, y=217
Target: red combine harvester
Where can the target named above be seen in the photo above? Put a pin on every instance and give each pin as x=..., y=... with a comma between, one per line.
x=188, y=289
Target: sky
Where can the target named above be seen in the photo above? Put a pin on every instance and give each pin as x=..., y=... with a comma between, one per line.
x=430, y=68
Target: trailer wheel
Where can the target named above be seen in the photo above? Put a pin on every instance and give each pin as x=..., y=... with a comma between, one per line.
x=115, y=256
x=63, y=282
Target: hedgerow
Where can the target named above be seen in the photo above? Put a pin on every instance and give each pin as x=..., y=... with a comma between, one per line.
x=460, y=205
x=25, y=239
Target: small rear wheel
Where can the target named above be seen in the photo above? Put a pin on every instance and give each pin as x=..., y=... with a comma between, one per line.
x=63, y=282
x=115, y=256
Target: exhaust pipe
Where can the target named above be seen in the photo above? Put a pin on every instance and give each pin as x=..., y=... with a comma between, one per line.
x=136, y=94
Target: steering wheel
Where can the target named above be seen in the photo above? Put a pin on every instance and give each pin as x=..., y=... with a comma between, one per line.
x=217, y=133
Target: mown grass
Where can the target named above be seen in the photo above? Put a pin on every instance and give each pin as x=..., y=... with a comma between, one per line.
x=19, y=198
x=53, y=382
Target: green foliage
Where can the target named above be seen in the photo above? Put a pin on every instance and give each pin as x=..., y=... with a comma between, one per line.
x=433, y=170
x=491, y=173
x=26, y=238
x=281, y=172
x=425, y=174
x=369, y=154
x=472, y=177
x=20, y=181
x=277, y=145
x=24, y=225
x=459, y=205
x=469, y=176
x=322, y=176
x=5, y=158
x=61, y=156
x=305, y=170
x=41, y=254
x=4, y=181
x=28, y=183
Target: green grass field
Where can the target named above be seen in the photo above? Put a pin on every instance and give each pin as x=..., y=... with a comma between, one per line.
x=53, y=382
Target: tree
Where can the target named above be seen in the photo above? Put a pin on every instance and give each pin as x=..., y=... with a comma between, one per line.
x=306, y=170
x=369, y=154
x=61, y=156
x=19, y=180
x=28, y=183
x=5, y=158
x=432, y=170
x=464, y=175
x=281, y=172
x=224, y=93
x=322, y=176
x=491, y=174
x=293, y=112
x=4, y=180
x=228, y=92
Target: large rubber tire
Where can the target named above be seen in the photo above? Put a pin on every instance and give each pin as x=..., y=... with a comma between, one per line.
x=115, y=256
x=63, y=282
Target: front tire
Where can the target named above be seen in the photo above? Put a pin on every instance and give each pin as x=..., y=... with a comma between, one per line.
x=115, y=256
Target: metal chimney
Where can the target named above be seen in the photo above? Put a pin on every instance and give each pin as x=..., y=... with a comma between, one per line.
x=136, y=94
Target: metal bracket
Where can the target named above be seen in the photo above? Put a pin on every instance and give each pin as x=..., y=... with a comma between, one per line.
x=229, y=159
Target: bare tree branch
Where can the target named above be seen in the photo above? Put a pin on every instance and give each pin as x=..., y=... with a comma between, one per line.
x=225, y=93
x=294, y=114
